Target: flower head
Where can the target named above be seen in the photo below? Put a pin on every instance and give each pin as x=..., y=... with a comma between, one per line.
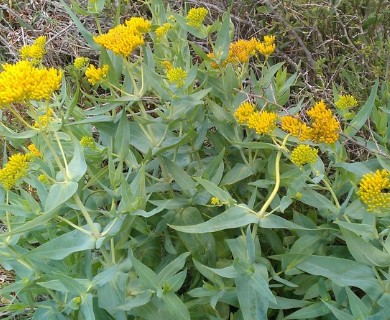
x=88, y=141
x=296, y=127
x=124, y=39
x=34, y=150
x=243, y=112
x=23, y=82
x=241, y=50
x=263, y=122
x=267, y=46
x=44, y=120
x=14, y=170
x=80, y=62
x=162, y=30
x=215, y=201
x=346, y=102
x=325, y=127
x=303, y=154
x=35, y=51
x=196, y=16
x=373, y=190
x=176, y=76
x=96, y=75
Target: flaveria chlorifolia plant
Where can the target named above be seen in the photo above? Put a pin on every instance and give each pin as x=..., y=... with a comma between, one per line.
x=176, y=178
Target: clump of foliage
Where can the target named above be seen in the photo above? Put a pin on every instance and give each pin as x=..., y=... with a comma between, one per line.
x=175, y=179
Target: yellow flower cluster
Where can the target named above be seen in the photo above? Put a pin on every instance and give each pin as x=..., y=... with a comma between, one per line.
x=241, y=50
x=96, y=75
x=87, y=141
x=167, y=65
x=196, y=16
x=263, y=122
x=162, y=31
x=243, y=112
x=267, y=46
x=325, y=127
x=80, y=62
x=15, y=169
x=44, y=120
x=23, y=81
x=125, y=38
x=35, y=51
x=346, y=102
x=34, y=150
x=373, y=190
x=176, y=76
x=296, y=127
x=215, y=201
x=304, y=154
x=43, y=178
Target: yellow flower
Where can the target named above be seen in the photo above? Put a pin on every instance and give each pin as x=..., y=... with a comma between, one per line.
x=303, y=154
x=325, y=127
x=22, y=82
x=124, y=39
x=263, y=122
x=215, y=201
x=43, y=178
x=346, y=102
x=34, y=150
x=96, y=75
x=44, y=120
x=87, y=141
x=15, y=169
x=241, y=50
x=243, y=112
x=176, y=76
x=374, y=190
x=162, y=31
x=196, y=16
x=167, y=65
x=35, y=51
x=267, y=47
x=80, y=62
x=296, y=127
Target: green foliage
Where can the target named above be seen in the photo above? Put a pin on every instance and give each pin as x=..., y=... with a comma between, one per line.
x=174, y=210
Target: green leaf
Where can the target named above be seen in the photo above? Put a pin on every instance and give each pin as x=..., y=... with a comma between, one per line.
x=59, y=193
x=271, y=221
x=77, y=166
x=360, y=119
x=60, y=247
x=175, y=307
x=357, y=306
x=312, y=311
x=317, y=200
x=223, y=39
x=185, y=182
x=251, y=304
x=216, y=191
x=340, y=315
x=122, y=137
x=343, y=272
x=364, y=252
x=237, y=173
x=235, y=217
x=148, y=278
x=173, y=267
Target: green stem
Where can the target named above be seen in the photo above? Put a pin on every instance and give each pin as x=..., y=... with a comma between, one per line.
x=73, y=225
x=19, y=117
x=262, y=211
x=329, y=187
x=86, y=215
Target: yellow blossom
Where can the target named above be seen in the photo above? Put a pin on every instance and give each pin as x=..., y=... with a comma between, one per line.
x=196, y=16
x=176, y=76
x=43, y=178
x=44, y=120
x=23, y=81
x=35, y=51
x=34, y=150
x=96, y=75
x=263, y=122
x=14, y=170
x=80, y=62
x=325, y=127
x=87, y=141
x=374, y=190
x=124, y=39
x=346, y=102
x=303, y=154
x=167, y=65
x=162, y=31
x=243, y=112
x=215, y=201
x=241, y=50
x=267, y=47
x=296, y=127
